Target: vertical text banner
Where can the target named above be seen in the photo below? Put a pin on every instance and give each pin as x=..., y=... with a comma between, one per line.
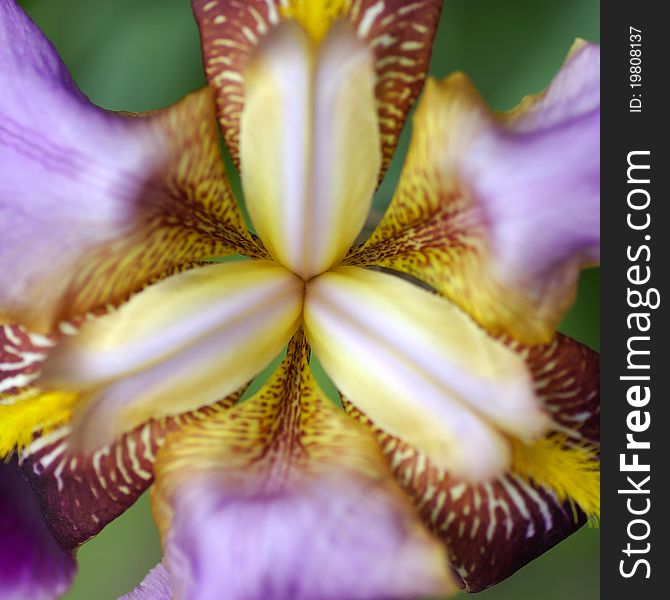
x=636, y=265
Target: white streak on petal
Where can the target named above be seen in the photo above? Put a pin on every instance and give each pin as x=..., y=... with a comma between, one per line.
x=309, y=145
x=182, y=343
x=421, y=369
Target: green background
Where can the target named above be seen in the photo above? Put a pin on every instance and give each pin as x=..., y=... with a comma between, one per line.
x=143, y=54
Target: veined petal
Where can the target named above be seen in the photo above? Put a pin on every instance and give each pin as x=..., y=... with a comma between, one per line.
x=399, y=33
x=422, y=369
x=494, y=528
x=500, y=212
x=25, y=410
x=229, y=32
x=94, y=204
x=182, y=343
x=285, y=497
x=32, y=563
x=566, y=375
x=309, y=145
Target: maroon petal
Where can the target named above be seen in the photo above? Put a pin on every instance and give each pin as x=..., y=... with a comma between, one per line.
x=567, y=380
x=79, y=493
x=53, y=501
x=401, y=34
x=491, y=530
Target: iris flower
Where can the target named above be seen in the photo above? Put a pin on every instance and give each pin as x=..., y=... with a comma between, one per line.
x=468, y=442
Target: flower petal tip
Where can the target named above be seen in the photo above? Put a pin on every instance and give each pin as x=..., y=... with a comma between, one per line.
x=157, y=585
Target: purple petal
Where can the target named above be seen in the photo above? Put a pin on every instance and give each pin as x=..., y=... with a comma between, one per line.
x=574, y=92
x=284, y=497
x=157, y=585
x=541, y=195
x=94, y=204
x=326, y=539
x=500, y=212
x=538, y=180
x=32, y=563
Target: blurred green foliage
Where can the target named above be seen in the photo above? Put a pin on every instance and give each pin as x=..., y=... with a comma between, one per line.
x=139, y=55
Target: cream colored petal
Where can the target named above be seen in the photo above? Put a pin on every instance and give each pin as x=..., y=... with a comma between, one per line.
x=421, y=369
x=309, y=145
x=187, y=341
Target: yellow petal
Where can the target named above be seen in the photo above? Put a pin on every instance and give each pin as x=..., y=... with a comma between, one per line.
x=309, y=144
x=185, y=342
x=422, y=369
x=551, y=490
